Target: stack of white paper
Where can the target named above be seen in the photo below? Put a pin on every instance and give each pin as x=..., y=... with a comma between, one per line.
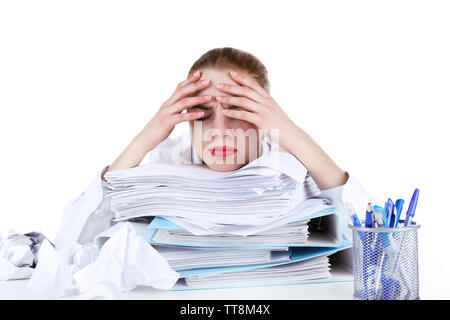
x=183, y=258
x=269, y=191
x=311, y=269
x=294, y=233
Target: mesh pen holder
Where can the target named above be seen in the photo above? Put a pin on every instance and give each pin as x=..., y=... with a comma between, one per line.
x=385, y=263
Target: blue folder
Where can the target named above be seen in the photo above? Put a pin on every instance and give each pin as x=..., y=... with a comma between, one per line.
x=332, y=238
x=341, y=268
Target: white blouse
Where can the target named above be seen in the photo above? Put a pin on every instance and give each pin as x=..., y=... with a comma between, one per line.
x=89, y=214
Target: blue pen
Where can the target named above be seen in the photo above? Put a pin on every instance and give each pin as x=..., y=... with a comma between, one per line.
x=412, y=207
x=388, y=287
x=381, y=244
x=398, y=208
x=409, y=214
x=356, y=221
x=392, y=219
x=369, y=212
x=389, y=206
x=366, y=253
x=368, y=239
x=381, y=219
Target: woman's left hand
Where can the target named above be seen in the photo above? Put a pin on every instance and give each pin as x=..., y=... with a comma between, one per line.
x=258, y=107
x=261, y=109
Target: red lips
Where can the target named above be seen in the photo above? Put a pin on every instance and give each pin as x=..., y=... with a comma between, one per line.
x=223, y=151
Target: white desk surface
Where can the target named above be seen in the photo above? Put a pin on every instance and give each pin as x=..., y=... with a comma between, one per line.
x=16, y=290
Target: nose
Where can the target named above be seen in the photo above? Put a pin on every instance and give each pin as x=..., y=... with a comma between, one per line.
x=222, y=123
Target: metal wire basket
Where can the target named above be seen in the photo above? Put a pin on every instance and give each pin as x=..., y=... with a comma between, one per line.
x=385, y=263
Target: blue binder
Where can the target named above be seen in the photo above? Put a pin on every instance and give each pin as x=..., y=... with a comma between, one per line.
x=330, y=237
x=341, y=268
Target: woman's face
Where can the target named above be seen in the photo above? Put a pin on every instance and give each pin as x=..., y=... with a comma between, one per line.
x=223, y=143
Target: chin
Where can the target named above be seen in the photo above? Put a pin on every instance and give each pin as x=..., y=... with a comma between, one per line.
x=224, y=167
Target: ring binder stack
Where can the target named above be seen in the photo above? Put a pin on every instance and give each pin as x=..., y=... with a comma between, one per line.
x=323, y=257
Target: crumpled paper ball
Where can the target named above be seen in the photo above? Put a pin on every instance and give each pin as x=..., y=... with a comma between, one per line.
x=18, y=254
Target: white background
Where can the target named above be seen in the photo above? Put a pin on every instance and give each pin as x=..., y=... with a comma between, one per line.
x=368, y=80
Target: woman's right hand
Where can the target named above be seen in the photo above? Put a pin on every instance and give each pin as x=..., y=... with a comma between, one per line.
x=170, y=113
x=164, y=121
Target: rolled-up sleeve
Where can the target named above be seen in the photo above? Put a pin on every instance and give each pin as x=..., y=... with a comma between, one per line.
x=85, y=216
x=350, y=196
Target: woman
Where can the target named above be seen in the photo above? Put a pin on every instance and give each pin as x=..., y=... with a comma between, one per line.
x=230, y=112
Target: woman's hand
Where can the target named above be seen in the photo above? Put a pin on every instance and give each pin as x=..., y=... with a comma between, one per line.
x=171, y=112
x=164, y=121
x=259, y=108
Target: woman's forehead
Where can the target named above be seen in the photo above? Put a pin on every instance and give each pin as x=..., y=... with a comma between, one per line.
x=215, y=77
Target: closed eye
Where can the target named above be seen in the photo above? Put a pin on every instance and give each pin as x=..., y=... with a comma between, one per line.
x=201, y=107
x=204, y=118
